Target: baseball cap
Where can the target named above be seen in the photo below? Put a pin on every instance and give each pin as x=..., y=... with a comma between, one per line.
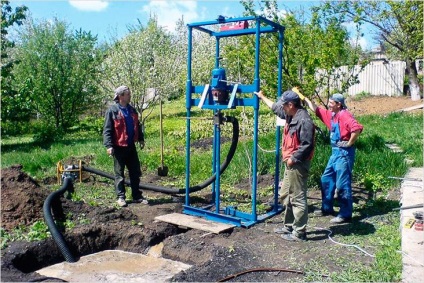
x=339, y=98
x=119, y=91
x=288, y=96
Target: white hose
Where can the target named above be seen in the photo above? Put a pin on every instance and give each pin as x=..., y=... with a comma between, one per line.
x=346, y=245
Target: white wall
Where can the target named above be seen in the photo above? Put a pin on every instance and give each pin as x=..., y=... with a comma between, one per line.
x=380, y=77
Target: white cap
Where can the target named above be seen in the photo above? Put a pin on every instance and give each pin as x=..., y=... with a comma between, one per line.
x=120, y=91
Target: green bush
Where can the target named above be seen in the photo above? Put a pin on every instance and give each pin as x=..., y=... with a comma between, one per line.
x=91, y=125
x=45, y=134
x=9, y=128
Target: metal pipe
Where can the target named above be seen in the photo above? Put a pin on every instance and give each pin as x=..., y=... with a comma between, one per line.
x=406, y=179
x=409, y=207
x=189, y=90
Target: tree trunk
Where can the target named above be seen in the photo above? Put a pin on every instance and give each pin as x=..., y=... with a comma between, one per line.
x=414, y=86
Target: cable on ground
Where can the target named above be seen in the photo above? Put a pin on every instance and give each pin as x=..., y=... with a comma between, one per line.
x=346, y=245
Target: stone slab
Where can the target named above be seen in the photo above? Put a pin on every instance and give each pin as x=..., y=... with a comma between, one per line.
x=115, y=266
x=412, y=190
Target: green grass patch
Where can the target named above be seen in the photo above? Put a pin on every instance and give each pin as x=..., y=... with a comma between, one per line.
x=35, y=232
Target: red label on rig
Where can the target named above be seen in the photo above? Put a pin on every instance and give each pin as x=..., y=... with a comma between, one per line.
x=419, y=225
x=234, y=26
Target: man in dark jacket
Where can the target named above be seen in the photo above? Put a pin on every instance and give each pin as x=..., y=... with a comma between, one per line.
x=297, y=150
x=121, y=131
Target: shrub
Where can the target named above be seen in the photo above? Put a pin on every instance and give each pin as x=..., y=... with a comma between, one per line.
x=45, y=133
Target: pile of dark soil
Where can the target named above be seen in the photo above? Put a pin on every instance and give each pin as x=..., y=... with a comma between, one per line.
x=21, y=198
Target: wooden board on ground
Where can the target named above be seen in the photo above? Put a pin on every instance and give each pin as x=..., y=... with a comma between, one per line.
x=394, y=147
x=411, y=108
x=194, y=222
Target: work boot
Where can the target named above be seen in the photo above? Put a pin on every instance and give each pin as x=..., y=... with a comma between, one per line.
x=320, y=213
x=338, y=220
x=294, y=238
x=141, y=200
x=121, y=202
x=283, y=230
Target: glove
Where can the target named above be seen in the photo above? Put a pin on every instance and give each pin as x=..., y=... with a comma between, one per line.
x=141, y=144
x=343, y=144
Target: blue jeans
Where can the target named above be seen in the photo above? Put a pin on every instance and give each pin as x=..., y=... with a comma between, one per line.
x=338, y=175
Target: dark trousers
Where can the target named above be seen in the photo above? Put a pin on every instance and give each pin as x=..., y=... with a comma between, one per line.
x=127, y=156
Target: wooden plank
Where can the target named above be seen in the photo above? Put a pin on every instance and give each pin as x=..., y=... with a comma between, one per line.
x=411, y=108
x=194, y=222
x=394, y=147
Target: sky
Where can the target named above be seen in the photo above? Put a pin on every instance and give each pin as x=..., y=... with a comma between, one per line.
x=106, y=18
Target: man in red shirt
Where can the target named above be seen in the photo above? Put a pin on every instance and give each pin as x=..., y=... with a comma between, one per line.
x=344, y=131
x=297, y=150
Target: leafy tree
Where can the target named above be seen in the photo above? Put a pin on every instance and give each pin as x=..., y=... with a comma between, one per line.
x=144, y=60
x=320, y=43
x=179, y=47
x=203, y=57
x=12, y=105
x=57, y=72
x=399, y=27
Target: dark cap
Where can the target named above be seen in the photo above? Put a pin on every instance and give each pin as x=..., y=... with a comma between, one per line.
x=120, y=91
x=288, y=96
x=339, y=98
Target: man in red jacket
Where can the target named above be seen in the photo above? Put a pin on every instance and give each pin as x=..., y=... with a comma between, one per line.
x=298, y=149
x=344, y=131
x=120, y=133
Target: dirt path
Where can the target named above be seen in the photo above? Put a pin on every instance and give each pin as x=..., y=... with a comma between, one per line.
x=380, y=105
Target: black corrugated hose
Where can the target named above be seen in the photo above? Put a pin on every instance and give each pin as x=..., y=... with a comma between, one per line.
x=195, y=188
x=48, y=218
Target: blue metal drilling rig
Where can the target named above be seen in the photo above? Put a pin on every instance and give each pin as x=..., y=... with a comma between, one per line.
x=220, y=95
